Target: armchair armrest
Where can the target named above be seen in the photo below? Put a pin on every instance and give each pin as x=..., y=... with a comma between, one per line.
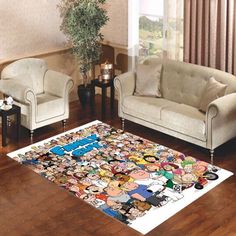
x=221, y=120
x=57, y=83
x=125, y=84
x=18, y=91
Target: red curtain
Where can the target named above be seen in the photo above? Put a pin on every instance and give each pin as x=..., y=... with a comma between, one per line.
x=210, y=33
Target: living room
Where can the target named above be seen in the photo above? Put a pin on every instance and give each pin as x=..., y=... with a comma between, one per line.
x=136, y=139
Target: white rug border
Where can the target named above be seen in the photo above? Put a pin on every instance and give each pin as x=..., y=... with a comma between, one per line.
x=147, y=223
x=12, y=154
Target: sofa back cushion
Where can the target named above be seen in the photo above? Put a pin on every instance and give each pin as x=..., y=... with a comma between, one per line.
x=185, y=82
x=28, y=71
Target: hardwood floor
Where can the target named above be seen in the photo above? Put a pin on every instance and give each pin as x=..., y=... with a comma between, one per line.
x=31, y=205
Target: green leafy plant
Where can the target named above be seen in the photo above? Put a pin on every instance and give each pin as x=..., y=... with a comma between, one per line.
x=82, y=21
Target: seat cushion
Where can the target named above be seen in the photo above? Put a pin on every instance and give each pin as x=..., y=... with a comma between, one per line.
x=146, y=108
x=184, y=119
x=47, y=105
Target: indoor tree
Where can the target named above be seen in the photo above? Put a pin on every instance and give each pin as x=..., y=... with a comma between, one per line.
x=82, y=21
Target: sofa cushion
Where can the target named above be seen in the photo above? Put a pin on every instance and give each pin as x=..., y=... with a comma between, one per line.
x=185, y=119
x=48, y=105
x=213, y=90
x=146, y=108
x=148, y=80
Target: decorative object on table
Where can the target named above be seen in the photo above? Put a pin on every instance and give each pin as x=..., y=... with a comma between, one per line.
x=6, y=104
x=132, y=179
x=106, y=71
x=82, y=21
x=9, y=100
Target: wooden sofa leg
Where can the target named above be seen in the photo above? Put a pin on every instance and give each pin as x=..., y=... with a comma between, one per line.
x=123, y=124
x=31, y=133
x=212, y=156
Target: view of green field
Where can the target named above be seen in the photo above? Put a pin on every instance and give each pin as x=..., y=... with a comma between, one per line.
x=150, y=36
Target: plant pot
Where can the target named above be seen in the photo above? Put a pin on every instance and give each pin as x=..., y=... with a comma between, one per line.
x=85, y=94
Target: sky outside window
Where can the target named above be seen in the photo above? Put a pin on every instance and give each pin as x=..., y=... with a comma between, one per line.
x=151, y=7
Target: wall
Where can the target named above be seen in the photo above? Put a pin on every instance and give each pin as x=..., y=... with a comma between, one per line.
x=30, y=28
x=116, y=30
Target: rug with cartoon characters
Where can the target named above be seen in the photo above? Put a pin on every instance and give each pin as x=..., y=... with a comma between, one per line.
x=134, y=180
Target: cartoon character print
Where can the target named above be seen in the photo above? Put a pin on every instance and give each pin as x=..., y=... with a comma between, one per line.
x=125, y=178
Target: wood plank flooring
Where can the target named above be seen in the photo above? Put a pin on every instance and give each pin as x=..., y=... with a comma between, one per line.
x=31, y=205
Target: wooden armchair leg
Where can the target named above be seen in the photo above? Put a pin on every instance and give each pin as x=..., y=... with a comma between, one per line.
x=123, y=124
x=31, y=133
x=64, y=123
x=212, y=156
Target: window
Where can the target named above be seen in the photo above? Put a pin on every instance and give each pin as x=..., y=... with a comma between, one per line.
x=160, y=28
x=151, y=24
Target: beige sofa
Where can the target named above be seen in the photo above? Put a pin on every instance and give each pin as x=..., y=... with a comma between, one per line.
x=177, y=113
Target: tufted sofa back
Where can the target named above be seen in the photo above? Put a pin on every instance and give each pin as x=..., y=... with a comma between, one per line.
x=28, y=71
x=185, y=83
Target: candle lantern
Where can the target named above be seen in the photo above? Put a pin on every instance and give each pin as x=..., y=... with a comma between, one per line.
x=106, y=71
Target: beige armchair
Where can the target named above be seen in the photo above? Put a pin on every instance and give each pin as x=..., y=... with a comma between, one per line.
x=42, y=94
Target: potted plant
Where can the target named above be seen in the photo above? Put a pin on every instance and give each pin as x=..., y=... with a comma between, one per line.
x=82, y=21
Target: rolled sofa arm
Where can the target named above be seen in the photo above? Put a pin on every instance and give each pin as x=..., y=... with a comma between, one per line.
x=221, y=120
x=19, y=92
x=125, y=84
x=57, y=83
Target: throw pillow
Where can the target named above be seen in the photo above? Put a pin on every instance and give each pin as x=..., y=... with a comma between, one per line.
x=213, y=90
x=148, y=80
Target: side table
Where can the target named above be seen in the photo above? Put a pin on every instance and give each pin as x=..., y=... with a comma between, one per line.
x=103, y=84
x=15, y=110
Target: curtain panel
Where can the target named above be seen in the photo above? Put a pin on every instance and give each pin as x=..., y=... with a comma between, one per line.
x=210, y=33
x=173, y=30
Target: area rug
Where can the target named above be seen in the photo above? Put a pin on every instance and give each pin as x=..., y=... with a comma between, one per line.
x=130, y=178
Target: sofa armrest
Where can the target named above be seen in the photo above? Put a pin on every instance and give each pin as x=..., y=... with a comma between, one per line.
x=125, y=84
x=57, y=83
x=221, y=120
x=18, y=91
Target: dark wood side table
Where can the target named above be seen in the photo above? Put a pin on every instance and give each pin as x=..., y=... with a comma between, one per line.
x=15, y=110
x=103, y=84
